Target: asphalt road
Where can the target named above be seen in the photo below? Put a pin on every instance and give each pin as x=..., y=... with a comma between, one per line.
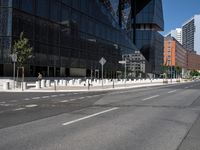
x=151, y=118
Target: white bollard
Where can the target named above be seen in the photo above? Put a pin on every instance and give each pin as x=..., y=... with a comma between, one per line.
x=56, y=82
x=48, y=83
x=6, y=86
x=60, y=82
x=64, y=83
x=24, y=86
x=43, y=83
x=37, y=84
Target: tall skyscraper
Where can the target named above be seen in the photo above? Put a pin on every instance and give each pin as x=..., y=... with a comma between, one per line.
x=147, y=38
x=177, y=34
x=68, y=36
x=191, y=34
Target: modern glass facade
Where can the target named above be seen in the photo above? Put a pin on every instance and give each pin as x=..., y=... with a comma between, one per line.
x=66, y=35
x=147, y=38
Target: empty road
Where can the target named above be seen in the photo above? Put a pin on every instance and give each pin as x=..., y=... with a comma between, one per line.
x=151, y=118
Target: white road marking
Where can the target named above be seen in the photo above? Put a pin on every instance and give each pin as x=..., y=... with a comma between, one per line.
x=45, y=96
x=54, y=95
x=81, y=98
x=90, y=116
x=31, y=105
x=6, y=105
x=36, y=98
x=27, y=99
x=74, y=93
x=64, y=101
x=88, y=96
x=172, y=91
x=72, y=100
x=19, y=109
x=150, y=97
x=2, y=102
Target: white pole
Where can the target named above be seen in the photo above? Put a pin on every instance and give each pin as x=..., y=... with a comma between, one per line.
x=102, y=74
x=14, y=75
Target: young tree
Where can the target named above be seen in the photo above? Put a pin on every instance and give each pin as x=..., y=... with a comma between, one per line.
x=178, y=70
x=23, y=50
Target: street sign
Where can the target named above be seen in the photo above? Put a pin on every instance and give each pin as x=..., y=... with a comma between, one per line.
x=102, y=61
x=122, y=62
x=14, y=57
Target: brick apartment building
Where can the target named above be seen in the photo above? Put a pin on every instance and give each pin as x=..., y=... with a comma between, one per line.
x=176, y=55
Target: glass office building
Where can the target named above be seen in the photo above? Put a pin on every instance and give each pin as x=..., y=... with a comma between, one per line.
x=68, y=36
x=147, y=38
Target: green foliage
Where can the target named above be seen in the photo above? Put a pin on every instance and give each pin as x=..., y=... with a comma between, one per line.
x=194, y=73
x=165, y=68
x=178, y=70
x=22, y=49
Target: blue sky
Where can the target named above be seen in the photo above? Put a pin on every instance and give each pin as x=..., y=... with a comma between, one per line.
x=176, y=12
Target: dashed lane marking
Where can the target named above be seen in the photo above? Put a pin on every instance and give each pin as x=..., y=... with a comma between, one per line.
x=90, y=116
x=150, y=97
x=172, y=91
x=81, y=98
x=31, y=105
x=6, y=105
x=17, y=109
x=45, y=96
x=64, y=101
x=36, y=98
x=54, y=95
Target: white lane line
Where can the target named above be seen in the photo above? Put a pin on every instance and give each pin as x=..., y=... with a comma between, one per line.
x=72, y=100
x=31, y=105
x=81, y=98
x=36, y=98
x=64, y=101
x=75, y=93
x=19, y=109
x=45, y=96
x=54, y=95
x=2, y=102
x=6, y=105
x=150, y=97
x=172, y=91
x=27, y=99
x=88, y=96
x=90, y=116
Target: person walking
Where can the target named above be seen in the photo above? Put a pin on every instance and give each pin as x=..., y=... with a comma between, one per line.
x=39, y=78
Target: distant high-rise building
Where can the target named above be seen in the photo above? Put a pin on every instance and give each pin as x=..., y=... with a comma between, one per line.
x=191, y=34
x=177, y=34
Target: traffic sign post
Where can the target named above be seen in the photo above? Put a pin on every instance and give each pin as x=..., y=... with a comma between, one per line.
x=102, y=61
x=14, y=60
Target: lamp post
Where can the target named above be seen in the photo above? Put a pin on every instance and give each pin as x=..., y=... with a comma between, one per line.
x=14, y=60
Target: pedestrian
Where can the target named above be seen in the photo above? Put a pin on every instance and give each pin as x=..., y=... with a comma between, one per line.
x=39, y=78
